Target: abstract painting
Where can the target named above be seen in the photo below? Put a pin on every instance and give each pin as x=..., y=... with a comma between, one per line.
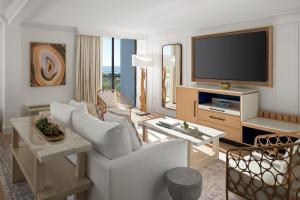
x=48, y=64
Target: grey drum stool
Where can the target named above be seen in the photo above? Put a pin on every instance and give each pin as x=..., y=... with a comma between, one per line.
x=184, y=183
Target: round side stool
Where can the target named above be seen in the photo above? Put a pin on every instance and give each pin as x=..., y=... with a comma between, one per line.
x=184, y=183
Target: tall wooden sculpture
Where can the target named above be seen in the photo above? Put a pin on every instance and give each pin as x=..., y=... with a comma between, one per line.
x=143, y=91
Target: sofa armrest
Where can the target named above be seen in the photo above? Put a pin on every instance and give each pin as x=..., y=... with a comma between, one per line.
x=141, y=174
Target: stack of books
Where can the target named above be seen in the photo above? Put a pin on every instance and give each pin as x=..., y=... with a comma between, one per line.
x=168, y=123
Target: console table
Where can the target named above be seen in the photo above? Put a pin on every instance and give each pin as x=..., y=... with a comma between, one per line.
x=222, y=109
x=44, y=165
x=260, y=125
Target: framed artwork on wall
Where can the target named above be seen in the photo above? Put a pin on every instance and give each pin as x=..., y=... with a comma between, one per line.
x=48, y=64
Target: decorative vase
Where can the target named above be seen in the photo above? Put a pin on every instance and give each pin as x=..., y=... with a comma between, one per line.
x=225, y=84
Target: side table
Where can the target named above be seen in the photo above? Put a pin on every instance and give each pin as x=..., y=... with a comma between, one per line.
x=184, y=183
x=49, y=174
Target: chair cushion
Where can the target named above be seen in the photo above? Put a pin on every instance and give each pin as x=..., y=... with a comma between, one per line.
x=120, y=111
x=128, y=126
x=109, y=98
x=81, y=106
x=249, y=165
x=62, y=113
x=109, y=139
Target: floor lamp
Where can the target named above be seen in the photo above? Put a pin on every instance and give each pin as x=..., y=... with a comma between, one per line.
x=143, y=61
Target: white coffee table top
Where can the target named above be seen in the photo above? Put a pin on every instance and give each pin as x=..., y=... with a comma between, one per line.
x=45, y=150
x=208, y=136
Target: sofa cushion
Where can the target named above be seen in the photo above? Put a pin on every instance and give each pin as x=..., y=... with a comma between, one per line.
x=109, y=139
x=128, y=126
x=92, y=109
x=81, y=106
x=62, y=113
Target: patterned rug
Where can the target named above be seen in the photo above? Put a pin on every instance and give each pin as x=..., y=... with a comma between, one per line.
x=213, y=180
x=19, y=191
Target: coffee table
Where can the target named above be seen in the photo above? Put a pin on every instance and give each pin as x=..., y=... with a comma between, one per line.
x=44, y=165
x=210, y=135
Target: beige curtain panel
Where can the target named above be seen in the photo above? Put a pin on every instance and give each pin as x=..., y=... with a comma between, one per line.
x=88, y=75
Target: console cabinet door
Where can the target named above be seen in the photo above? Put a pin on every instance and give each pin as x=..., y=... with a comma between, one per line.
x=186, y=104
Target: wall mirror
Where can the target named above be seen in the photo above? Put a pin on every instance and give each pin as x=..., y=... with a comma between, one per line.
x=171, y=74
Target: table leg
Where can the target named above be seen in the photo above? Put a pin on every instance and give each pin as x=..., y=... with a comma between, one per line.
x=189, y=153
x=216, y=148
x=81, y=173
x=145, y=135
x=39, y=183
x=16, y=173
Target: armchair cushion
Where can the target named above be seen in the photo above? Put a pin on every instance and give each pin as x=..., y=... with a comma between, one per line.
x=128, y=126
x=262, y=171
x=120, y=111
x=109, y=139
x=109, y=98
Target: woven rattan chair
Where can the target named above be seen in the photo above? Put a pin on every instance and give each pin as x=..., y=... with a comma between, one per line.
x=269, y=170
x=114, y=102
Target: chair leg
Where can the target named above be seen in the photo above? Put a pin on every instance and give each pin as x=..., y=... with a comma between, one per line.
x=227, y=198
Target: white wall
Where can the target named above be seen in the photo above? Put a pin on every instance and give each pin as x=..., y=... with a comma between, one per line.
x=40, y=95
x=284, y=96
x=18, y=91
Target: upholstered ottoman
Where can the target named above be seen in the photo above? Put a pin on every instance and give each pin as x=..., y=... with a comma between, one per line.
x=184, y=183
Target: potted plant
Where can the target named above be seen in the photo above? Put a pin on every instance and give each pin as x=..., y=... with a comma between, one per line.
x=50, y=130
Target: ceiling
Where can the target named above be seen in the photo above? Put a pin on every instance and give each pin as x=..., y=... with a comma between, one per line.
x=4, y=5
x=149, y=16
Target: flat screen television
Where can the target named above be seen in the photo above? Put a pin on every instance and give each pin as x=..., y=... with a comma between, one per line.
x=242, y=57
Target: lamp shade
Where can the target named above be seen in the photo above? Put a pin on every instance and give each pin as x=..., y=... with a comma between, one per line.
x=145, y=60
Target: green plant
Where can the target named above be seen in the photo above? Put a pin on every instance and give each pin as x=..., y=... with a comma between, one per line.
x=185, y=125
x=48, y=128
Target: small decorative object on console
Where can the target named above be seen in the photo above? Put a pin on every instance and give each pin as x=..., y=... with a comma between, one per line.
x=185, y=125
x=225, y=84
x=49, y=130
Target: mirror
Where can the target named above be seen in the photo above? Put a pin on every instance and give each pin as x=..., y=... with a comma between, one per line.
x=171, y=74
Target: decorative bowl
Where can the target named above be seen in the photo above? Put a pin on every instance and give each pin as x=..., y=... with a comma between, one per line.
x=225, y=85
x=47, y=125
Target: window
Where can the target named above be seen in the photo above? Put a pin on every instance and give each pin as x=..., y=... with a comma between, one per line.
x=117, y=70
x=111, y=72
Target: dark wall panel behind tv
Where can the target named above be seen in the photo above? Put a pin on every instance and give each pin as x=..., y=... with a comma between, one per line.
x=241, y=57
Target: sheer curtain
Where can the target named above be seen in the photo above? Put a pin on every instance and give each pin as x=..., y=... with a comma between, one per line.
x=88, y=74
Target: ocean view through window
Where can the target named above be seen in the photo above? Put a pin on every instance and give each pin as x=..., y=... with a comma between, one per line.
x=117, y=71
x=111, y=63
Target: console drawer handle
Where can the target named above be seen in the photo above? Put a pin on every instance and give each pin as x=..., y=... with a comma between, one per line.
x=217, y=118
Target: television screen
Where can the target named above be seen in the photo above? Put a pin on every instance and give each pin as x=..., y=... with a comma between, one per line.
x=237, y=57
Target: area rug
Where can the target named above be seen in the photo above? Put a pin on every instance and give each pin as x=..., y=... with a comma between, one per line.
x=213, y=180
x=18, y=191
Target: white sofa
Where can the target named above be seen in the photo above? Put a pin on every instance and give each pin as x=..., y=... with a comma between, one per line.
x=139, y=175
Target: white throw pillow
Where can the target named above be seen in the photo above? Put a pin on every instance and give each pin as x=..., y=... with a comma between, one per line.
x=81, y=106
x=128, y=126
x=62, y=113
x=107, y=138
x=109, y=98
